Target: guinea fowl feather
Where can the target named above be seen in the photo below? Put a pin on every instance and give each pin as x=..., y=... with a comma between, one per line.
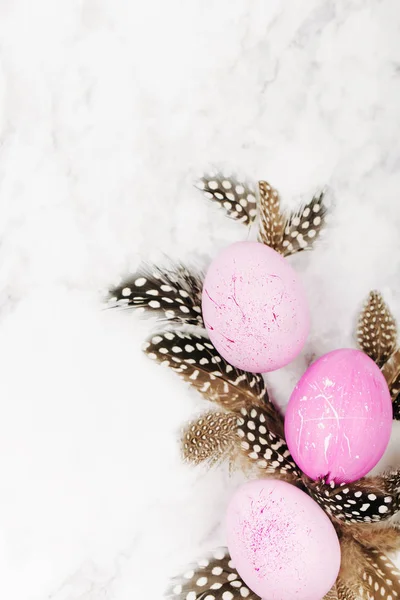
x=377, y=331
x=303, y=227
x=236, y=198
x=195, y=359
x=210, y=438
x=272, y=221
x=368, y=500
x=172, y=293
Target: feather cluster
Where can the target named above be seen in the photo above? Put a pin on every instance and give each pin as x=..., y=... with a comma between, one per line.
x=246, y=428
x=284, y=231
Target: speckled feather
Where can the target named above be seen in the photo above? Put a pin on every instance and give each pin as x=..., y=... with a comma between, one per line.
x=272, y=221
x=236, y=198
x=210, y=438
x=195, y=359
x=369, y=500
x=212, y=578
x=391, y=372
x=303, y=227
x=377, y=331
x=172, y=293
x=366, y=573
x=332, y=594
x=261, y=443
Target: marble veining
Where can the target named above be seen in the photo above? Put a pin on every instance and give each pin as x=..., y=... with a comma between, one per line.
x=109, y=110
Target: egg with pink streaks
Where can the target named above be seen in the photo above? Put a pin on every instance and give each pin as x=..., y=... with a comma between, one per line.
x=339, y=417
x=254, y=307
x=283, y=545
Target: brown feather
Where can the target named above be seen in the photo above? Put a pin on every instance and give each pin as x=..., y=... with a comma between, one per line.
x=391, y=372
x=210, y=438
x=374, y=535
x=272, y=222
x=377, y=331
x=195, y=359
x=367, y=572
x=303, y=228
x=344, y=593
x=332, y=594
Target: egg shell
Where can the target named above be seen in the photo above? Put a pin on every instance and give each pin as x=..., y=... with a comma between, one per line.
x=339, y=417
x=255, y=307
x=282, y=543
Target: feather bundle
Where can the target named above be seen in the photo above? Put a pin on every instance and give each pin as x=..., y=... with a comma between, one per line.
x=248, y=427
x=250, y=431
x=285, y=232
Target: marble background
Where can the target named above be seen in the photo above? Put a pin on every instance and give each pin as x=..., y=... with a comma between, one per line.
x=109, y=109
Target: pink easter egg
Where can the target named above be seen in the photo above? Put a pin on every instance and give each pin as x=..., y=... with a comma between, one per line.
x=255, y=307
x=282, y=543
x=339, y=417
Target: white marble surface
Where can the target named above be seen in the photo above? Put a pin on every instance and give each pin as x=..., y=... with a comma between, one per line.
x=108, y=110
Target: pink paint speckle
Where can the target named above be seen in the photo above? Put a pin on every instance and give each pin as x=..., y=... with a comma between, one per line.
x=339, y=411
x=254, y=307
x=282, y=543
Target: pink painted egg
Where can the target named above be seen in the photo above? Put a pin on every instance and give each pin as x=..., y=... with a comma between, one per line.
x=282, y=543
x=255, y=307
x=339, y=417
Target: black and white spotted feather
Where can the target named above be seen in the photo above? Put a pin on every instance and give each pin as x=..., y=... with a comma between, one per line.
x=303, y=227
x=172, y=293
x=260, y=431
x=195, y=359
x=369, y=500
x=211, y=578
x=236, y=198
